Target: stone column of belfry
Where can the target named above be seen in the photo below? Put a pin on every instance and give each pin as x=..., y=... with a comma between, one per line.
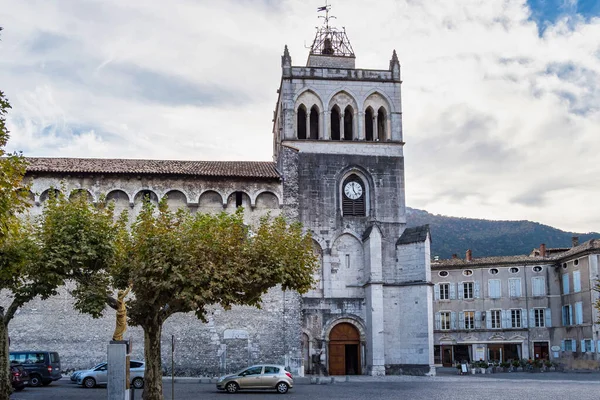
x=360, y=129
x=342, y=114
x=308, y=124
x=326, y=125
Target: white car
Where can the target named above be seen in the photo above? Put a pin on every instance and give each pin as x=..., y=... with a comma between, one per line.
x=99, y=375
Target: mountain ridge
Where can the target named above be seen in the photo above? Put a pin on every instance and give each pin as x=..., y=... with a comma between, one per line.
x=487, y=238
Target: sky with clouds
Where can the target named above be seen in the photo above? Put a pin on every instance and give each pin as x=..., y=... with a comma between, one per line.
x=501, y=98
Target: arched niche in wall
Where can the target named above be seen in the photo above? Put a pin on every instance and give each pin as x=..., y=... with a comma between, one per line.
x=47, y=193
x=347, y=262
x=176, y=199
x=120, y=199
x=78, y=193
x=238, y=199
x=210, y=201
x=141, y=197
x=267, y=200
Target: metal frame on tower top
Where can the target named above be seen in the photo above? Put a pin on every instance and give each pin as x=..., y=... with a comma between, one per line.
x=329, y=41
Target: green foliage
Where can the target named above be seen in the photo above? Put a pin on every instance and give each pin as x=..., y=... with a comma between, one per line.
x=486, y=238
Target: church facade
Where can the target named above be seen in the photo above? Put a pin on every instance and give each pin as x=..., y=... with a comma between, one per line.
x=338, y=168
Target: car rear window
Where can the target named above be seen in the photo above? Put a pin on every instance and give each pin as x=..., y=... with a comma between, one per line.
x=54, y=358
x=271, y=370
x=135, y=364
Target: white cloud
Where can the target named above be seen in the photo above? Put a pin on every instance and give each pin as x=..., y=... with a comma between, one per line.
x=499, y=122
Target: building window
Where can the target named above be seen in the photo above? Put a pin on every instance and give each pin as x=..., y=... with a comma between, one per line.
x=469, y=319
x=443, y=273
x=576, y=262
x=467, y=272
x=445, y=320
x=539, y=318
x=565, y=282
x=314, y=122
x=564, y=265
x=567, y=316
x=335, y=123
x=515, y=318
x=538, y=284
x=381, y=123
x=537, y=269
x=578, y=313
x=587, y=346
x=514, y=287
x=494, y=288
x=444, y=291
x=576, y=281
x=468, y=290
x=569, y=345
x=514, y=270
x=348, y=125
x=493, y=271
x=496, y=322
x=369, y=124
x=353, y=197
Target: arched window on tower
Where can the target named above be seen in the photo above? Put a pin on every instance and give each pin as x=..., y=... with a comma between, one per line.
x=353, y=197
x=381, y=123
x=348, y=114
x=314, y=122
x=301, y=122
x=369, y=124
x=335, y=123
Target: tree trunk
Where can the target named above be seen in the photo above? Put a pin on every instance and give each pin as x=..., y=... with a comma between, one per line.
x=5, y=386
x=152, y=353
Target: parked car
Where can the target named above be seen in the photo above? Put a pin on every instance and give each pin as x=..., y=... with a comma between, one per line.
x=43, y=367
x=258, y=377
x=76, y=373
x=99, y=375
x=19, y=378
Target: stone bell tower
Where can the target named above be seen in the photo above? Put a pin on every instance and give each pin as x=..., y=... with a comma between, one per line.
x=338, y=142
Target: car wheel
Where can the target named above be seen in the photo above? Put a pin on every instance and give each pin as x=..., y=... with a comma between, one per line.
x=138, y=383
x=232, y=387
x=89, y=383
x=282, y=387
x=35, y=380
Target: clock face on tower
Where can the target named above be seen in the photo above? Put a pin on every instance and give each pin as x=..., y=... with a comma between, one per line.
x=353, y=190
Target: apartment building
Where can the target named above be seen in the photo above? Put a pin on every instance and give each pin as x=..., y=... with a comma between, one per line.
x=538, y=306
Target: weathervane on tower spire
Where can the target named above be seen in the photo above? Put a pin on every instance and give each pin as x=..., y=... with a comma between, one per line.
x=330, y=41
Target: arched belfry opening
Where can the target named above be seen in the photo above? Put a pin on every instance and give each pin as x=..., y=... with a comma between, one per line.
x=314, y=123
x=301, y=122
x=348, y=123
x=381, y=124
x=335, y=123
x=344, y=350
x=369, y=124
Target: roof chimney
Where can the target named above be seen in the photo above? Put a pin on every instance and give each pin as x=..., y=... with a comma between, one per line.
x=543, y=250
x=469, y=255
x=454, y=256
x=575, y=241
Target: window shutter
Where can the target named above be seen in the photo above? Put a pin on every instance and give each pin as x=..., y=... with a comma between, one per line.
x=562, y=345
x=477, y=319
x=461, y=320
x=566, y=283
x=523, y=318
x=476, y=289
x=578, y=313
x=488, y=319
x=461, y=290
x=574, y=345
x=548, y=318
x=438, y=321
x=532, y=317
x=505, y=319
x=598, y=347
x=576, y=281
x=570, y=315
x=453, y=320
x=592, y=348
x=436, y=289
x=564, y=317
x=452, y=291
x=491, y=288
x=583, y=349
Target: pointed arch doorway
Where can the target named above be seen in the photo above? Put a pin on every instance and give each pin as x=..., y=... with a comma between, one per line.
x=344, y=350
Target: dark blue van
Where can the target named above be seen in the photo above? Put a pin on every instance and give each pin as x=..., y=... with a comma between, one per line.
x=43, y=367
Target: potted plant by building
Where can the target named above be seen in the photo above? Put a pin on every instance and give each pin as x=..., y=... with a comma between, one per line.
x=505, y=366
x=474, y=366
x=483, y=366
x=517, y=366
x=549, y=366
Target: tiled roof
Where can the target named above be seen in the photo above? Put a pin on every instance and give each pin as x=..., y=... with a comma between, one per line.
x=414, y=235
x=238, y=169
x=590, y=245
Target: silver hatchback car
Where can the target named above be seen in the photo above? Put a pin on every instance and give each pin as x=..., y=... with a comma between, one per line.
x=99, y=375
x=258, y=377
